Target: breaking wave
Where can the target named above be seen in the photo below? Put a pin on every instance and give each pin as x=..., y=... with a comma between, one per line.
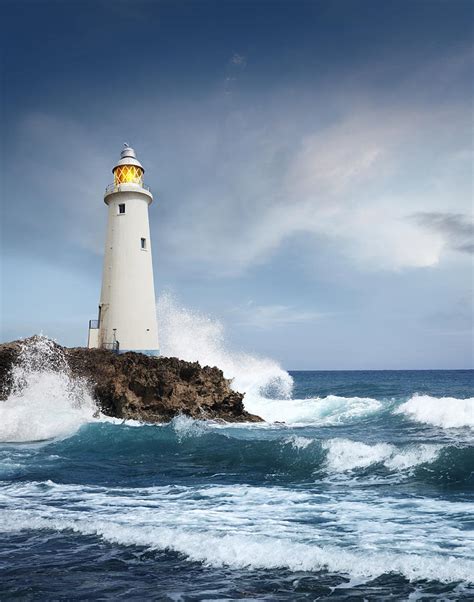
x=235, y=526
x=45, y=401
x=201, y=449
x=326, y=410
x=268, y=388
x=352, y=486
x=346, y=455
x=193, y=336
x=445, y=412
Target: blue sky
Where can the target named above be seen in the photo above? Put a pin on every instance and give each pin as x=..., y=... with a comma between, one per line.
x=311, y=165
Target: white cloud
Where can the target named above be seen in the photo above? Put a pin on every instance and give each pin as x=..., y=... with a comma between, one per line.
x=270, y=316
x=241, y=181
x=354, y=183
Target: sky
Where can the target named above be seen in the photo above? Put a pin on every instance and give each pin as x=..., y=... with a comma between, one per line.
x=311, y=164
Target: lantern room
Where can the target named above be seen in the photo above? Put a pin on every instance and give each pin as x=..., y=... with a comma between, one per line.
x=128, y=170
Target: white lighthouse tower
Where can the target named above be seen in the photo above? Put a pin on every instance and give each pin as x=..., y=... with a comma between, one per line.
x=127, y=310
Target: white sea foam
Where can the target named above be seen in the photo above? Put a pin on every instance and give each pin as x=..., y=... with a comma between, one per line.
x=298, y=442
x=321, y=410
x=363, y=534
x=343, y=454
x=266, y=552
x=413, y=456
x=126, y=422
x=185, y=427
x=346, y=455
x=446, y=412
x=45, y=401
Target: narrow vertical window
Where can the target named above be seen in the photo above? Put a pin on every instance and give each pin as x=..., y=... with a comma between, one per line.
x=122, y=208
x=143, y=243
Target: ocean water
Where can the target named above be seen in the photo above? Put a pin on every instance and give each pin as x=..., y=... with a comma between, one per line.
x=360, y=485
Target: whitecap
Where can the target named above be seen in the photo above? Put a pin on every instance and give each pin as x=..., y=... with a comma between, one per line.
x=362, y=536
x=345, y=455
x=318, y=411
x=185, y=427
x=298, y=442
x=446, y=412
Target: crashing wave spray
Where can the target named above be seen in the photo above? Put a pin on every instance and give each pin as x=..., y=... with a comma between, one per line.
x=193, y=336
x=45, y=401
x=196, y=337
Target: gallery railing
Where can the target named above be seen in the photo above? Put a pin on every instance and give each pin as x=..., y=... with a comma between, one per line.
x=117, y=187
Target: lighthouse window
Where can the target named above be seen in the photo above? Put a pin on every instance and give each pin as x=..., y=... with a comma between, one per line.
x=122, y=208
x=143, y=242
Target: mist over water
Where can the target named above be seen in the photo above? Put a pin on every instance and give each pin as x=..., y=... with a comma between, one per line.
x=360, y=485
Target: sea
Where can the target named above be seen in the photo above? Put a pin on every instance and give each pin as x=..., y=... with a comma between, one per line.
x=359, y=485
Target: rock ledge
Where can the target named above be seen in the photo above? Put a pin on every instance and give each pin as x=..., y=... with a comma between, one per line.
x=135, y=386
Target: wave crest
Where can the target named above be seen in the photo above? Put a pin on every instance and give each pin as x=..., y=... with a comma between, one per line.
x=445, y=412
x=320, y=410
x=236, y=526
x=346, y=455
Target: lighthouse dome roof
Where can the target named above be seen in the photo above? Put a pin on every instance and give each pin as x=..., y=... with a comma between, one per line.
x=128, y=157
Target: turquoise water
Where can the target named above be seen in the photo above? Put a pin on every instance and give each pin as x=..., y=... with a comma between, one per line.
x=366, y=492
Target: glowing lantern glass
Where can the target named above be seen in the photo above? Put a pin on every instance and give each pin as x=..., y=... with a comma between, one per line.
x=128, y=174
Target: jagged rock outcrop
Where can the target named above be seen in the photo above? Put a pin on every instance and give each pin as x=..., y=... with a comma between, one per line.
x=133, y=385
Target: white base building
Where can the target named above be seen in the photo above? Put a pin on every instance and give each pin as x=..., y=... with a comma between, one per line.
x=127, y=309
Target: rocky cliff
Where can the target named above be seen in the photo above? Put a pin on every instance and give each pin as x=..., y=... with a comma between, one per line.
x=132, y=385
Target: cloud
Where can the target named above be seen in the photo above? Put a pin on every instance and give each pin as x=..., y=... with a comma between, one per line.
x=456, y=228
x=271, y=316
x=270, y=176
x=235, y=181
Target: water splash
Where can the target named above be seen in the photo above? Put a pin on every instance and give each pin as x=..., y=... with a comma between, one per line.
x=45, y=400
x=193, y=336
x=186, y=427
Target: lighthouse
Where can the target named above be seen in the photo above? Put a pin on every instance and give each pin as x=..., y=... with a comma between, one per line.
x=127, y=310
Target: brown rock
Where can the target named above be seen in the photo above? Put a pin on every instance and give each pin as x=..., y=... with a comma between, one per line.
x=136, y=386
